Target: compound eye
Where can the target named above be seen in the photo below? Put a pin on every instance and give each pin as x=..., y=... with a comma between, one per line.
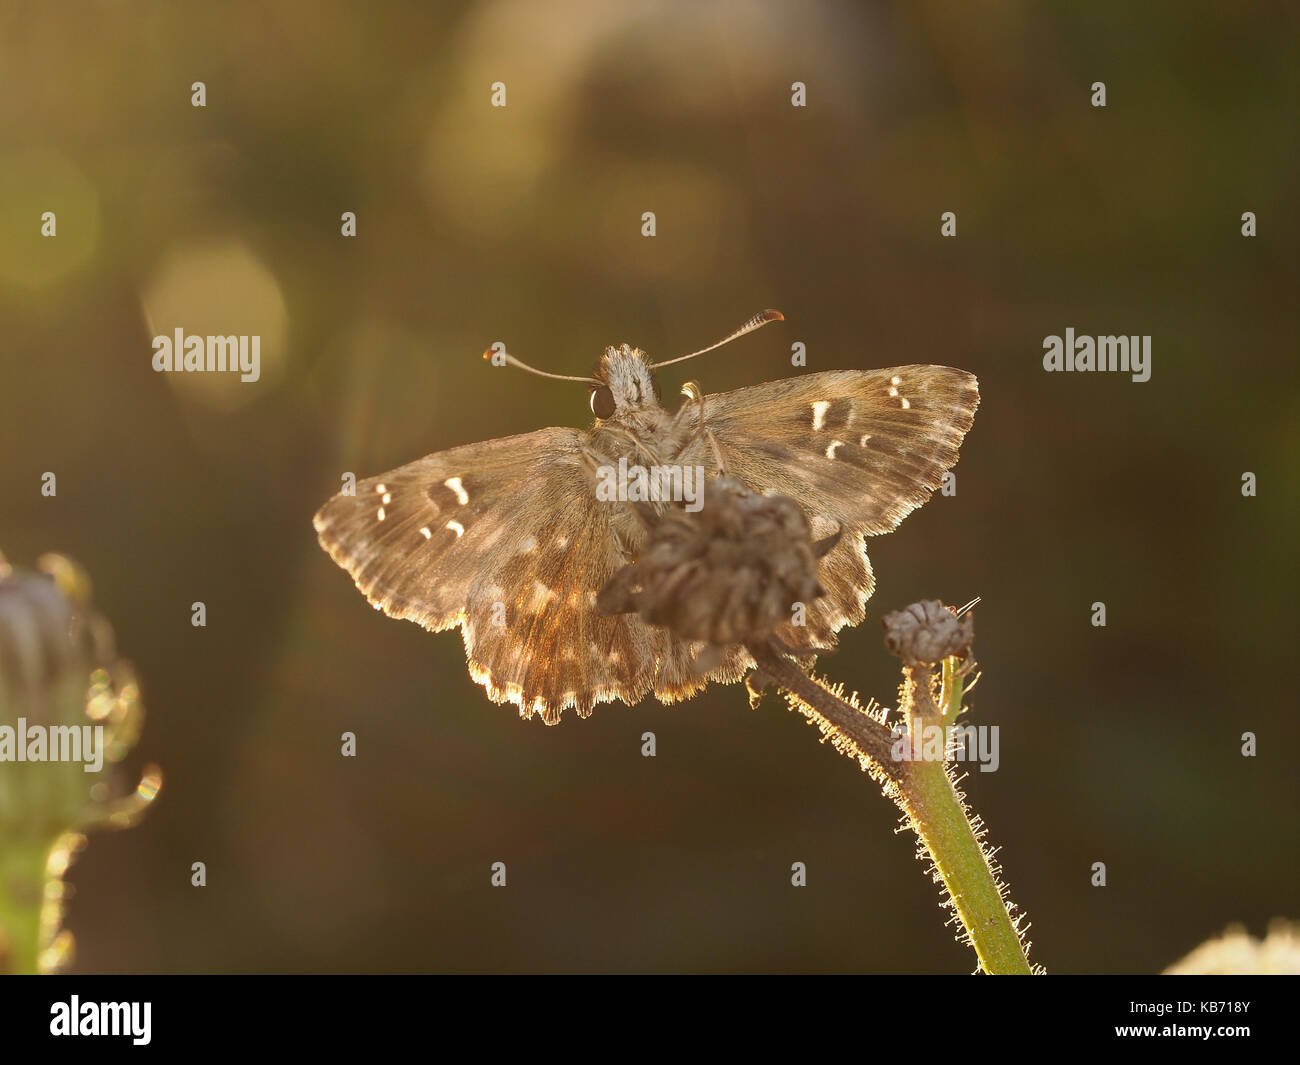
x=602, y=402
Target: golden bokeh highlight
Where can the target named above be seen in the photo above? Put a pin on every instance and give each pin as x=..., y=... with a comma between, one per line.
x=219, y=288
x=32, y=183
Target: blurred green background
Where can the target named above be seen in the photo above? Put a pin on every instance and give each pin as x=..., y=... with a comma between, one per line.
x=522, y=224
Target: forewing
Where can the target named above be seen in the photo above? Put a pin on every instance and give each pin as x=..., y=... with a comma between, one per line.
x=506, y=540
x=859, y=449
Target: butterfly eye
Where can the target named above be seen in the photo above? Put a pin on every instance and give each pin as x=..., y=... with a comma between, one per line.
x=602, y=402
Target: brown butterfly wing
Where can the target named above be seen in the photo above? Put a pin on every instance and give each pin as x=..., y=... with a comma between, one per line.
x=505, y=539
x=859, y=449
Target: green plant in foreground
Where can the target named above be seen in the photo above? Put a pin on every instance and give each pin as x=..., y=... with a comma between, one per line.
x=67, y=704
x=922, y=785
x=739, y=571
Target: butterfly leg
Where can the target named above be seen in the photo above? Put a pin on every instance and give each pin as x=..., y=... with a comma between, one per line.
x=692, y=391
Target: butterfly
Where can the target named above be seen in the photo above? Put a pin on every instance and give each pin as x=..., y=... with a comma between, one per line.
x=508, y=540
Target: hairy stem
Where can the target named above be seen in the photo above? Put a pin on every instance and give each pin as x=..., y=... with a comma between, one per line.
x=871, y=737
x=939, y=817
x=925, y=792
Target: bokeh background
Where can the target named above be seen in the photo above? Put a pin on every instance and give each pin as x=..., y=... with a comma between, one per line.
x=522, y=224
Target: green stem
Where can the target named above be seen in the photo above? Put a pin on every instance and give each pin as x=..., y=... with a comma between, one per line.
x=954, y=687
x=938, y=817
x=868, y=736
x=925, y=792
x=930, y=800
x=23, y=864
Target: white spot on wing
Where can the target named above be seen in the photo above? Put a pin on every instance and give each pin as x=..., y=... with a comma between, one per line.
x=462, y=496
x=381, y=489
x=830, y=451
x=820, y=407
x=425, y=532
x=388, y=498
x=457, y=528
x=894, y=382
x=381, y=515
x=541, y=595
x=862, y=441
x=529, y=543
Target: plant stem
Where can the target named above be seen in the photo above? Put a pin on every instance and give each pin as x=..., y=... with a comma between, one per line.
x=925, y=792
x=871, y=737
x=23, y=864
x=939, y=817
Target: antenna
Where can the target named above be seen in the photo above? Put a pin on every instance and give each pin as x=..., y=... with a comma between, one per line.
x=757, y=322
x=512, y=361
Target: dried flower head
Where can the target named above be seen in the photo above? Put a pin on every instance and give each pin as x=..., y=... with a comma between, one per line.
x=727, y=573
x=928, y=632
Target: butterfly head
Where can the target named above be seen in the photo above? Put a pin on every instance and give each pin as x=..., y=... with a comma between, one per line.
x=624, y=382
